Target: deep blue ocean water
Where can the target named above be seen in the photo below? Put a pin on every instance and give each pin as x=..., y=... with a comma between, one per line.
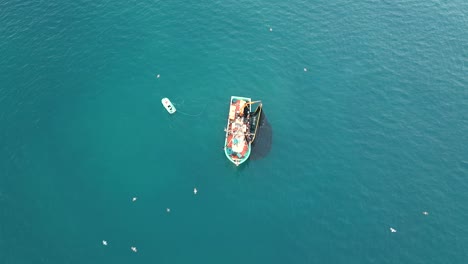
x=373, y=133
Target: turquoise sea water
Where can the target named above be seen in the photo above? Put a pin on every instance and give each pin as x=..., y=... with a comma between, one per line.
x=370, y=136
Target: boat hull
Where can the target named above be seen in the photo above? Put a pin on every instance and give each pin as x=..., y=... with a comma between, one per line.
x=168, y=105
x=237, y=147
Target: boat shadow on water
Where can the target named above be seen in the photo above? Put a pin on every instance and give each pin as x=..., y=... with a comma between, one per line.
x=263, y=139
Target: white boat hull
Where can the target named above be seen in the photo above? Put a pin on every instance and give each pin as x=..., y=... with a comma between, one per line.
x=168, y=105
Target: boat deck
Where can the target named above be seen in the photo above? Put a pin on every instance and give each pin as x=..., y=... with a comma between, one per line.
x=239, y=129
x=237, y=147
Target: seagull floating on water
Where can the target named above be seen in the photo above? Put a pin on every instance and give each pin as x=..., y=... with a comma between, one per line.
x=134, y=249
x=305, y=69
x=271, y=29
x=195, y=191
x=104, y=243
x=134, y=199
x=425, y=213
x=157, y=76
x=393, y=230
x=168, y=210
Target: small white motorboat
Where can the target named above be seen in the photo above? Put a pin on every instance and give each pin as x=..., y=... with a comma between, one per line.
x=168, y=105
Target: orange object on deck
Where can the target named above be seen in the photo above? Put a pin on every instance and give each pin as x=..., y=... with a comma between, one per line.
x=246, y=147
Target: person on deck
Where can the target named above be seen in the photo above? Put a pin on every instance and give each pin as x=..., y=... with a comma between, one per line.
x=246, y=111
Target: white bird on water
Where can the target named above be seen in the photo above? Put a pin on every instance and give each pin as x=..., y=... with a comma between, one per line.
x=305, y=69
x=195, y=191
x=425, y=213
x=157, y=76
x=393, y=230
x=134, y=199
x=134, y=249
x=104, y=242
x=271, y=29
x=168, y=210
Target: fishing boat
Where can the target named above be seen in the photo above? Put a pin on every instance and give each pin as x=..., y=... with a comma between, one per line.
x=241, y=128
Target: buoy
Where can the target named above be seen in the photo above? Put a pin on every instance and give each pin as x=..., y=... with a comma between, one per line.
x=168, y=105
